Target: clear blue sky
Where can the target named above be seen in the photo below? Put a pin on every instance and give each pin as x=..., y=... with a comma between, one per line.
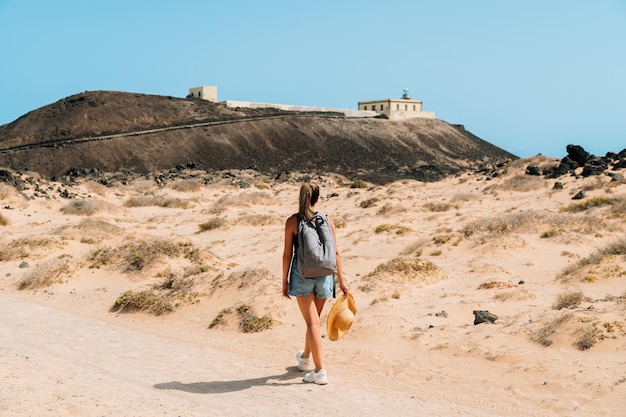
x=529, y=76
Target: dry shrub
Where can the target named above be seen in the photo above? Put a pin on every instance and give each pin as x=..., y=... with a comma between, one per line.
x=98, y=228
x=388, y=228
x=590, y=203
x=402, y=270
x=359, y=184
x=522, y=183
x=595, y=184
x=438, y=207
x=165, y=297
x=569, y=299
x=369, y=202
x=101, y=257
x=5, y=191
x=414, y=248
x=157, y=201
x=253, y=277
x=138, y=255
x=246, y=199
x=52, y=272
x=3, y=220
x=461, y=197
x=18, y=248
x=539, y=160
x=495, y=284
x=143, y=186
x=544, y=334
x=617, y=248
x=503, y=224
x=441, y=239
x=340, y=222
x=516, y=294
x=249, y=322
x=83, y=207
x=211, y=224
x=259, y=220
x=618, y=208
x=586, y=337
x=187, y=185
x=96, y=188
x=389, y=209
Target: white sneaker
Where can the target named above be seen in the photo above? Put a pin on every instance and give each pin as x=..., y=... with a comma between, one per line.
x=303, y=363
x=319, y=377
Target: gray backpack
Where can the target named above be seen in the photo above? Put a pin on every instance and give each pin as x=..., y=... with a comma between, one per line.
x=316, y=255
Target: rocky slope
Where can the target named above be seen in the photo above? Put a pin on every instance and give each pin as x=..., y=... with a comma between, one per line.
x=111, y=131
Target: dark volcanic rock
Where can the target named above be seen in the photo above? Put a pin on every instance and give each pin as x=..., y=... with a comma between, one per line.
x=578, y=154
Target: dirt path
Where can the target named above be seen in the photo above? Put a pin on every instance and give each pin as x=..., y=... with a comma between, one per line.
x=56, y=363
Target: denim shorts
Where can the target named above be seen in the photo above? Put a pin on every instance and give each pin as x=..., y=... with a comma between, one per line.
x=322, y=287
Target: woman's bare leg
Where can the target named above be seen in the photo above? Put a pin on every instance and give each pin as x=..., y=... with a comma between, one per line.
x=311, y=309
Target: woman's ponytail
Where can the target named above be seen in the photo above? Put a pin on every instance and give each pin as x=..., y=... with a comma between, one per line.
x=309, y=194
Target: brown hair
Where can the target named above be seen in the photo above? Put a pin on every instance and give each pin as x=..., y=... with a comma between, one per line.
x=309, y=194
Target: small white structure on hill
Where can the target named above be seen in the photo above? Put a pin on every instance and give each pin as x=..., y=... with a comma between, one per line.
x=397, y=108
x=393, y=109
x=205, y=92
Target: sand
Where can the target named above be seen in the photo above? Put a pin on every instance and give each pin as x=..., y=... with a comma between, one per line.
x=419, y=258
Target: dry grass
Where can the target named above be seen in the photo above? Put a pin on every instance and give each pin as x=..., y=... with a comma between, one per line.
x=187, y=185
x=260, y=220
x=359, y=184
x=211, y=224
x=91, y=231
x=143, y=186
x=6, y=191
x=503, y=224
x=19, y=248
x=251, y=277
x=414, y=248
x=392, y=228
x=405, y=270
x=83, y=207
x=520, y=183
x=495, y=284
x=462, y=197
x=569, y=300
x=370, y=202
x=50, y=273
x=3, y=220
x=586, y=337
x=246, y=199
x=439, y=207
x=96, y=188
x=249, y=322
x=539, y=160
x=590, y=203
x=139, y=255
x=544, y=334
x=165, y=297
x=617, y=248
x=389, y=209
x=157, y=201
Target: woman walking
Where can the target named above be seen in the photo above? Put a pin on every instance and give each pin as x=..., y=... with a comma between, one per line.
x=311, y=293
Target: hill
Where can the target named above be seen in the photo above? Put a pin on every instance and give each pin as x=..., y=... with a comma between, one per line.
x=141, y=133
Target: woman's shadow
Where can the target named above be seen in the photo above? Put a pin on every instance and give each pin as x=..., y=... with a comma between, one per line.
x=220, y=387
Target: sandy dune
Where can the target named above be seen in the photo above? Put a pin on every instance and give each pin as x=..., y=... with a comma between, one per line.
x=419, y=258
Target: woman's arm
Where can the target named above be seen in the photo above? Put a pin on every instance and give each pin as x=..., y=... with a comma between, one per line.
x=342, y=281
x=290, y=231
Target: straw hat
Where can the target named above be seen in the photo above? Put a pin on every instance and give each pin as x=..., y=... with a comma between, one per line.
x=341, y=317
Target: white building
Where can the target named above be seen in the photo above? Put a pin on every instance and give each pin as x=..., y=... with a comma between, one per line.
x=397, y=108
x=205, y=92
